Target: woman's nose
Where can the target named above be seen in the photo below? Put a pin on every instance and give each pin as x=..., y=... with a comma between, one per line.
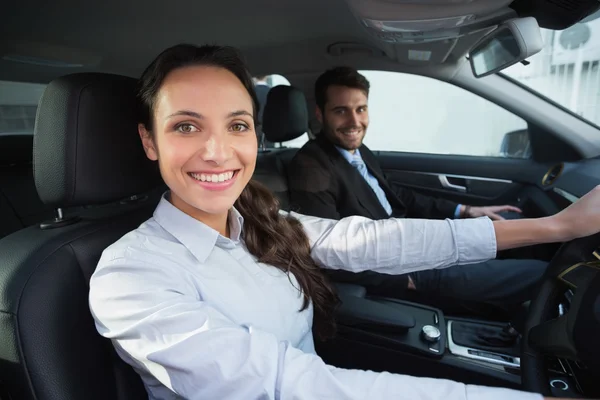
x=217, y=149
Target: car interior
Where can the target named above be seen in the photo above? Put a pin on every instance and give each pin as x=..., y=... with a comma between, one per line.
x=78, y=180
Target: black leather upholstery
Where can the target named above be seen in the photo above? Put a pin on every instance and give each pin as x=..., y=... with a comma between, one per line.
x=271, y=172
x=49, y=347
x=84, y=152
x=286, y=114
x=285, y=118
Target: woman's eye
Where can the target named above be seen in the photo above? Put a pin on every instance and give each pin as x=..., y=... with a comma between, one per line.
x=186, y=128
x=239, y=127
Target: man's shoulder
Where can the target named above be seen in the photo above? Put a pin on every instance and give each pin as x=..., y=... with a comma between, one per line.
x=312, y=163
x=316, y=145
x=312, y=150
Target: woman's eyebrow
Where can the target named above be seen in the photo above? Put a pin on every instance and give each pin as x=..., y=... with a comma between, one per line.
x=239, y=113
x=186, y=113
x=196, y=115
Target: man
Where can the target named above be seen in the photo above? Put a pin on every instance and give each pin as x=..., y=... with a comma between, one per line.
x=336, y=175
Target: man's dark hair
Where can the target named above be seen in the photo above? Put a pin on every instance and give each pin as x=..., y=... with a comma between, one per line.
x=341, y=76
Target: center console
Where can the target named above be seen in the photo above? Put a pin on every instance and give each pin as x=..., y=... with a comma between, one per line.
x=422, y=330
x=484, y=341
x=395, y=324
x=403, y=337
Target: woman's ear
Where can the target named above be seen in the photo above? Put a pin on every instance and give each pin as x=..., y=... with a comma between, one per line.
x=148, y=143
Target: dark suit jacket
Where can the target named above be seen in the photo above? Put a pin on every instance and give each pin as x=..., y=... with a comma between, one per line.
x=324, y=184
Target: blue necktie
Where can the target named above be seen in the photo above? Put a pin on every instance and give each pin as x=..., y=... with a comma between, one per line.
x=358, y=163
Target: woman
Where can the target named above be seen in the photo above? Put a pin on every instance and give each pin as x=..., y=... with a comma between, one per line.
x=213, y=297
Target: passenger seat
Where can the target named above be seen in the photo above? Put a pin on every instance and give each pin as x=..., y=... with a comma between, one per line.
x=285, y=118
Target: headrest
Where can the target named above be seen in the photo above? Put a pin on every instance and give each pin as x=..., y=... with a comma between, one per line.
x=286, y=115
x=86, y=147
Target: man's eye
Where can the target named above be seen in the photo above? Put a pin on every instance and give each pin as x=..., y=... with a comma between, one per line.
x=186, y=128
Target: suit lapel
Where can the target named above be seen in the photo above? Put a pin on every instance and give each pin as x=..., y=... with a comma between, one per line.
x=357, y=185
x=375, y=170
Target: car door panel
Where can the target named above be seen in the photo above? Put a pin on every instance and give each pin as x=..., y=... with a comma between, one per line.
x=472, y=180
x=454, y=185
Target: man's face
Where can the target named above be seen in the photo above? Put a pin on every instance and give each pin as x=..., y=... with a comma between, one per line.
x=345, y=118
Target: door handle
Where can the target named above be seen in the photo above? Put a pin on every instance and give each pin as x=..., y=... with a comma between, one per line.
x=447, y=185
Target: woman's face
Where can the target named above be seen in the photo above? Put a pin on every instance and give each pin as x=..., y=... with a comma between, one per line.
x=203, y=139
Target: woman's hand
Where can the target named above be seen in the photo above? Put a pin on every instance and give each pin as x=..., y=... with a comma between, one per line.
x=580, y=219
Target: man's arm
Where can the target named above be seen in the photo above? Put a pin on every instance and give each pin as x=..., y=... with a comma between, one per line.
x=422, y=206
x=312, y=188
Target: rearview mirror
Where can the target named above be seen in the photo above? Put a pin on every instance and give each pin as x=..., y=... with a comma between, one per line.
x=512, y=42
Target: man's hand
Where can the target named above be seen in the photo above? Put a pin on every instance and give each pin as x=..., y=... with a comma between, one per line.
x=493, y=212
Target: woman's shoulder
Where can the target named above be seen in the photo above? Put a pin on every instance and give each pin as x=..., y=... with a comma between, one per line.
x=146, y=259
x=148, y=244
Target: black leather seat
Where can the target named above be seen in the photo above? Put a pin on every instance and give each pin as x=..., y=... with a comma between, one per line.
x=86, y=153
x=20, y=205
x=285, y=118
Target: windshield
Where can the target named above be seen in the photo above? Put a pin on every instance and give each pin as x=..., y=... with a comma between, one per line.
x=567, y=69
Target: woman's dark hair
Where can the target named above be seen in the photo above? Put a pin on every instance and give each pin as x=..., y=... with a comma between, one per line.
x=185, y=55
x=341, y=76
x=274, y=239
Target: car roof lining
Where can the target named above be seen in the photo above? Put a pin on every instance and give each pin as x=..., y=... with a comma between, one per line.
x=123, y=37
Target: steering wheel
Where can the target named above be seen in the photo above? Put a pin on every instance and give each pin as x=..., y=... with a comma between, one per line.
x=574, y=334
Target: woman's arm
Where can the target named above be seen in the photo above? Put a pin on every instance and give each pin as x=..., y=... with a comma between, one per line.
x=398, y=246
x=578, y=220
x=196, y=351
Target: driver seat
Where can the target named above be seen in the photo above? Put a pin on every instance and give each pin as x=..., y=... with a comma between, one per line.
x=86, y=153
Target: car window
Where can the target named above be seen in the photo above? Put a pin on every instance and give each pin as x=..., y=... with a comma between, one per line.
x=413, y=113
x=18, y=106
x=567, y=70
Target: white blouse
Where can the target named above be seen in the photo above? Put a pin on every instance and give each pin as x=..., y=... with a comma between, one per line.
x=198, y=317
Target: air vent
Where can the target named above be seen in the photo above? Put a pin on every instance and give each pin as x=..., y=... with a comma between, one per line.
x=552, y=174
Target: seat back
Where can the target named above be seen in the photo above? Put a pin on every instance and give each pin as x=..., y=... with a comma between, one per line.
x=285, y=118
x=86, y=154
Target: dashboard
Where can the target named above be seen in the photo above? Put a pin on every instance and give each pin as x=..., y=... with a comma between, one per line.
x=576, y=179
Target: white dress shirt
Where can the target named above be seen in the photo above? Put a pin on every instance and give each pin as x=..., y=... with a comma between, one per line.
x=198, y=317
